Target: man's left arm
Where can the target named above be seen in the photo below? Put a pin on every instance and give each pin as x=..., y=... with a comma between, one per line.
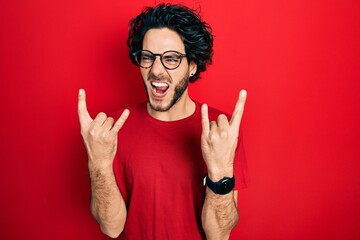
x=218, y=144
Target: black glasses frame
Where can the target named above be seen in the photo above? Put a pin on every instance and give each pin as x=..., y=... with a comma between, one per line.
x=154, y=55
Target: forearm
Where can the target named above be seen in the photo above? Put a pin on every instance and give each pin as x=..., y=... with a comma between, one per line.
x=219, y=214
x=107, y=205
x=219, y=140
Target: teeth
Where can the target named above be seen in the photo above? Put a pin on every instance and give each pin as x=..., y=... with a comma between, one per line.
x=159, y=84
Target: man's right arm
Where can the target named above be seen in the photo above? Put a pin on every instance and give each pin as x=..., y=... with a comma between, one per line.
x=107, y=204
x=100, y=139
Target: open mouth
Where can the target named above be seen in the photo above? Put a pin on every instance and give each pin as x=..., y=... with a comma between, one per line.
x=159, y=88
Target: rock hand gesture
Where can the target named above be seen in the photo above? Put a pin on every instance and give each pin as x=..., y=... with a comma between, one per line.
x=99, y=134
x=219, y=140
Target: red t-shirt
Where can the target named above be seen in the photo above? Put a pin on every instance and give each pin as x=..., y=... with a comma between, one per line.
x=159, y=170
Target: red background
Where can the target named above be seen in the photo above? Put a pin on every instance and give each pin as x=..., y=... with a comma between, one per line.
x=299, y=61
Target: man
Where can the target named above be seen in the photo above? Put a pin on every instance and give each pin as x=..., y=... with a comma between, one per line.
x=147, y=168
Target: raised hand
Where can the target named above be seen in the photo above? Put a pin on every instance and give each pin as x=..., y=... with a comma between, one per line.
x=99, y=134
x=219, y=140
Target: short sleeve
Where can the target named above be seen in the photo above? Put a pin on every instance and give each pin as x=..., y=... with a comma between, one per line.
x=241, y=172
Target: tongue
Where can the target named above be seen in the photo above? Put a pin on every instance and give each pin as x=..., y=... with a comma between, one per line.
x=161, y=89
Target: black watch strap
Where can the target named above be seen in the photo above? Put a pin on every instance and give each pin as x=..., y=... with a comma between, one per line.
x=222, y=187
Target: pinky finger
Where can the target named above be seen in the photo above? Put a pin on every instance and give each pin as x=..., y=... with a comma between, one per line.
x=120, y=122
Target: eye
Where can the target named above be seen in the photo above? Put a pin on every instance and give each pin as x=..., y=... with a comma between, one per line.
x=172, y=59
x=146, y=58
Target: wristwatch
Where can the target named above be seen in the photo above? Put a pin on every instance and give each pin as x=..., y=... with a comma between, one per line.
x=222, y=187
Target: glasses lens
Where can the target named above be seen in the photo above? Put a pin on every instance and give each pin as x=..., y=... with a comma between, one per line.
x=145, y=59
x=171, y=60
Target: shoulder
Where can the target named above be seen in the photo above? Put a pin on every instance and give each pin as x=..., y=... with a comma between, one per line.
x=135, y=110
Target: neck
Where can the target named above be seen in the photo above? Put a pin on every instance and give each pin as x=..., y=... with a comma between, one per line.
x=183, y=108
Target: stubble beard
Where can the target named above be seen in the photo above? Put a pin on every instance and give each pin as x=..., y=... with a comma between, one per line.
x=178, y=93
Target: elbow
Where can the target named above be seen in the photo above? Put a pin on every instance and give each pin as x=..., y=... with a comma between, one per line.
x=111, y=234
x=111, y=227
x=236, y=220
x=111, y=231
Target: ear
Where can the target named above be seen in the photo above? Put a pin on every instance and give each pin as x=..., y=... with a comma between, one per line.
x=192, y=68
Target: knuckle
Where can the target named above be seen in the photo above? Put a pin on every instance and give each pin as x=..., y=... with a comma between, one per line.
x=213, y=137
x=239, y=111
x=224, y=134
x=110, y=120
x=109, y=141
x=83, y=132
x=92, y=132
x=222, y=117
x=101, y=115
x=104, y=137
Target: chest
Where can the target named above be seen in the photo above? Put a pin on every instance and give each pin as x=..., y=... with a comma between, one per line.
x=161, y=157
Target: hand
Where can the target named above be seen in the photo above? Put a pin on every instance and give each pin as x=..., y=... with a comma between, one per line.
x=219, y=140
x=99, y=134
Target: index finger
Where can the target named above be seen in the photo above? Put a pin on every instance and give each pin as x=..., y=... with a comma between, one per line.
x=238, y=110
x=120, y=122
x=84, y=115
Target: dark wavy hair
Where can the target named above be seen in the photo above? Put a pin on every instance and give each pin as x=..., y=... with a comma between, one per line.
x=195, y=33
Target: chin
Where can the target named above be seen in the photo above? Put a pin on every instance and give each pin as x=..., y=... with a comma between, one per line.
x=159, y=105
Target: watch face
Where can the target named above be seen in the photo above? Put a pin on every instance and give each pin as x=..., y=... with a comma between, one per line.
x=226, y=186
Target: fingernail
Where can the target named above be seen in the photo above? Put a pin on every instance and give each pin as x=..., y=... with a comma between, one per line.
x=243, y=93
x=80, y=92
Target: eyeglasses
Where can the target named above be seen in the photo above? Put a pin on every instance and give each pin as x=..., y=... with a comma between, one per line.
x=169, y=59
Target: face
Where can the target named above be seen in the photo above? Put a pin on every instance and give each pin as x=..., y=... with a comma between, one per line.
x=165, y=87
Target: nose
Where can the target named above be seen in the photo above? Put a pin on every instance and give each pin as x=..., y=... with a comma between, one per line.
x=157, y=68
